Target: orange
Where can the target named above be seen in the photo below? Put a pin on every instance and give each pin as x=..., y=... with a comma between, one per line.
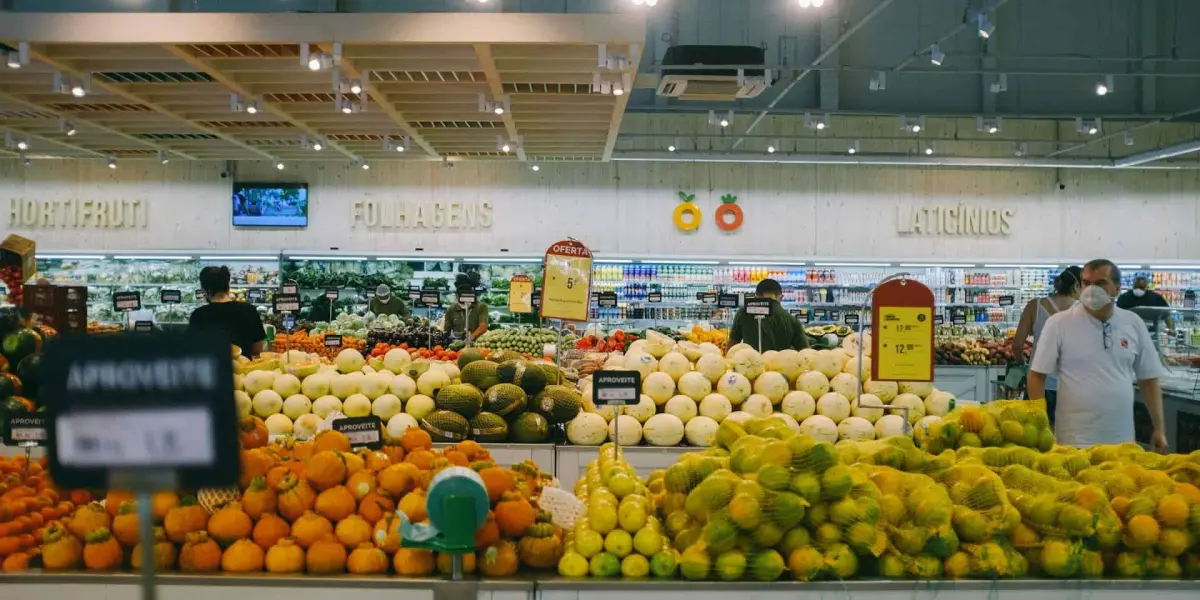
x=1141, y=532
x=1172, y=511
x=1190, y=492
x=1120, y=505
x=1091, y=497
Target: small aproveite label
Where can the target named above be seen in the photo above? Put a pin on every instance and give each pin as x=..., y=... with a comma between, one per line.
x=127, y=301
x=760, y=307
x=170, y=296
x=333, y=340
x=363, y=432
x=617, y=387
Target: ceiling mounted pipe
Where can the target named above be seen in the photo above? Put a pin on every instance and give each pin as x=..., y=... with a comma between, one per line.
x=1137, y=160
x=885, y=160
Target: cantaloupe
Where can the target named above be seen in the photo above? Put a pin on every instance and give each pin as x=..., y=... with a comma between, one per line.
x=257, y=381
x=820, y=428
x=296, y=405
x=349, y=361
x=712, y=366
x=375, y=385
x=885, y=390
x=788, y=362
x=773, y=385
x=890, y=425
x=734, y=386
x=675, y=365
x=682, y=407
x=747, y=362
x=315, y=386
x=325, y=405
x=286, y=385
x=266, y=403
x=916, y=408
x=663, y=430
x=834, y=406
x=867, y=406
x=757, y=405
x=242, y=401
x=701, y=431
x=798, y=405
x=856, y=429
x=659, y=386
x=844, y=384
x=625, y=431
x=402, y=387
x=694, y=385
x=715, y=407
x=814, y=383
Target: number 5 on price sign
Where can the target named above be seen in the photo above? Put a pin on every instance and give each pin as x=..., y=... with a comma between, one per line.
x=567, y=281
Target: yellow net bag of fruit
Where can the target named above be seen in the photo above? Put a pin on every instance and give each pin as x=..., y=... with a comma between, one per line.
x=995, y=424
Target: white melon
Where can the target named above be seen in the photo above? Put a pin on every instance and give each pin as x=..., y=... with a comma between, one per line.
x=315, y=386
x=279, y=424
x=856, y=429
x=844, y=384
x=419, y=405
x=710, y=348
x=641, y=362
x=788, y=363
x=806, y=359
x=757, y=405
x=712, y=366
x=682, y=407
x=748, y=362
x=798, y=405
x=715, y=407
x=242, y=401
x=827, y=363
x=357, y=405
x=914, y=404
x=773, y=385
x=349, y=360
x=323, y=406
x=890, y=425
x=787, y=419
x=819, y=428
x=674, y=364
x=643, y=410
x=659, y=386
x=398, y=423
x=587, y=429
x=286, y=385
x=296, y=405
x=402, y=387
x=386, y=406
x=734, y=386
x=305, y=428
x=375, y=385
x=701, y=431
x=266, y=403
x=814, y=383
x=625, y=431
x=867, y=406
x=734, y=349
x=740, y=417
x=938, y=403
x=431, y=381
x=257, y=381
x=886, y=390
x=663, y=430
x=861, y=371
x=921, y=388
x=343, y=386
x=450, y=369
x=396, y=360
x=833, y=405
x=239, y=382
x=695, y=385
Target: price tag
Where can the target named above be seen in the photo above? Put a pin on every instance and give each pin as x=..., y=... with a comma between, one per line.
x=760, y=307
x=290, y=287
x=363, y=432
x=331, y=293
x=76, y=295
x=617, y=388
x=902, y=321
x=467, y=298
x=607, y=300
x=143, y=327
x=127, y=301
x=369, y=294
x=289, y=321
x=431, y=298
x=938, y=319
x=287, y=303
x=200, y=296
x=175, y=417
x=24, y=429
x=850, y=318
x=595, y=297
x=801, y=313
x=414, y=294
x=834, y=315
x=654, y=297
x=1006, y=300
x=537, y=297
x=958, y=318
x=170, y=296
x=707, y=298
x=820, y=314
x=256, y=296
x=520, y=294
x=727, y=301
x=567, y=281
x=333, y=340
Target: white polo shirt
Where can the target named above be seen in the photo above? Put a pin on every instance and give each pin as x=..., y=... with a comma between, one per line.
x=1097, y=364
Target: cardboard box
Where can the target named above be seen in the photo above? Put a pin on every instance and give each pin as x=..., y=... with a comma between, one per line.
x=18, y=251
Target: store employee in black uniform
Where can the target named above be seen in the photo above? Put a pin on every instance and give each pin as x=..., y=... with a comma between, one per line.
x=1143, y=297
x=239, y=320
x=780, y=330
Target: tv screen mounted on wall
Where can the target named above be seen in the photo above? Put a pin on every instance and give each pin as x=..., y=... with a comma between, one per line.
x=270, y=205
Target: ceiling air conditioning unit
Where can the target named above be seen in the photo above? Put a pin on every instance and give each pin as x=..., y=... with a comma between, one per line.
x=714, y=72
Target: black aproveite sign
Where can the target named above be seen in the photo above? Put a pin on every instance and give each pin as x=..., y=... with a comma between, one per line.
x=617, y=388
x=363, y=432
x=607, y=300
x=759, y=307
x=170, y=296
x=654, y=297
x=727, y=301
x=287, y=303
x=127, y=301
x=333, y=340
x=24, y=429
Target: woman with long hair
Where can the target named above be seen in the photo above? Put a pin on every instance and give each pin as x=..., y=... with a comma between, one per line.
x=1033, y=318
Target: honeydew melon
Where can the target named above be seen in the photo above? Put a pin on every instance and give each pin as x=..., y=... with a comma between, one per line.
x=695, y=385
x=296, y=405
x=757, y=405
x=715, y=407
x=856, y=429
x=627, y=428
x=266, y=403
x=834, y=406
x=305, y=427
x=916, y=408
x=419, y=405
x=886, y=390
x=325, y=405
x=712, y=366
x=659, y=386
x=701, y=431
x=279, y=424
x=403, y=387
x=844, y=384
x=663, y=430
x=349, y=361
x=257, y=381
x=938, y=403
x=315, y=386
x=242, y=400
x=675, y=365
x=682, y=407
x=386, y=406
x=788, y=363
x=867, y=406
x=888, y=426
x=587, y=429
x=734, y=386
x=398, y=423
x=814, y=383
x=357, y=405
x=820, y=428
x=396, y=360
x=798, y=405
x=343, y=386
x=773, y=385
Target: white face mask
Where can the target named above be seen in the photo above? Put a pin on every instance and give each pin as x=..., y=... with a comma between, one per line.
x=1094, y=298
x=1139, y=292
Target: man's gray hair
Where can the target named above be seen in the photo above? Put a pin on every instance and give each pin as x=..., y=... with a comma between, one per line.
x=1114, y=272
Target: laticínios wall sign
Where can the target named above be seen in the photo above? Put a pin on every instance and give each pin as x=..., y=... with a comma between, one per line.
x=963, y=219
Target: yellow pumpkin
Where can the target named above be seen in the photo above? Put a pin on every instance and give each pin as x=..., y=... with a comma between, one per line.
x=311, y=528
x=326, y=556
x=285, y=557
x=413, y=562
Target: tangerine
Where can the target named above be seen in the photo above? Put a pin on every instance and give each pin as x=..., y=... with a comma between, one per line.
x=1172, y=511
x=1141, y=532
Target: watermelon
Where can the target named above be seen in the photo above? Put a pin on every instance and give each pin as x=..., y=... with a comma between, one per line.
x=19, y=344
x=29, y=372
x=16, y=405
x=10, y=385
x=10, y=319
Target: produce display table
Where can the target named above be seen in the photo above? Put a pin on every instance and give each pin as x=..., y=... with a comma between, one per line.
x=56, y=586
x=966, y=382
x=573, y=460
x=565, y=589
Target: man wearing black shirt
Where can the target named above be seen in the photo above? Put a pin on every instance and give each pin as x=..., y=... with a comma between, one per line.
x=1142, y=297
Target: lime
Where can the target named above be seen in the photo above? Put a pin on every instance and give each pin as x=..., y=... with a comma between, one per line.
x=589, y=543
x=622, y=484
x=647, y=541
x=605, y=565
x=664, y=564
x=631, y=515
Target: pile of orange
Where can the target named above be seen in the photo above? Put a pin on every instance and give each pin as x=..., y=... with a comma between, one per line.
x=28, y=500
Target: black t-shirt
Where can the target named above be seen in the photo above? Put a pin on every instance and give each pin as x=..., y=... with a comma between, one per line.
x=1128, y=300
x=238, y=319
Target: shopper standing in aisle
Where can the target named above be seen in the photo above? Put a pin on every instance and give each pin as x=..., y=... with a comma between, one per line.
x=1034, y=317
x=1099, y=351
x=1143, y=297
x=780, y=330
x=239, y=320
x=384, y=303
x=460, y=317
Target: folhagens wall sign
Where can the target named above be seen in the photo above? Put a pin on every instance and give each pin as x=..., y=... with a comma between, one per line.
x=400, y=214
x=962, y=219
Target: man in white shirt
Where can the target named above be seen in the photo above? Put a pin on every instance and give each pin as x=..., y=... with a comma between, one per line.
x=1098, y=352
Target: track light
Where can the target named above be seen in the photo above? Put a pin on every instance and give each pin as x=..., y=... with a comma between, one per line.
x=1022, y=149
x=772, y=146
x=112, y=162
x=673, y=146
x=818, y=123
x=1000, y=84
x=1128, y=135
x=992, y=126
x=22, y=145
x=68, y=127
x=319, y=61
x=1105, y=87
x=363, y=164
x=14, y=60
x=78, y=91
x=879, y=81
x=24, y=160
x=912, y=125
x=929, y=149
x=279, y=166
x=535, y=167
x=317, y=146
x=76, y=87
x=356, y=87
x=1088, y=126
x=936, y=56
x=986, y=28
x=854, y=148
x=163, y=157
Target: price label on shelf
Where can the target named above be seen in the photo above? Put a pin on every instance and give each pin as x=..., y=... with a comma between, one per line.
x=758, y=307
x=850, y=318
x=333, y=340
x=958, y=318
x=466, y=298
x=256, y=296
x=938, y=319
x=143, y=327
x=902, y=323
x=127, y=301
x=24, y=430
x=835, y=315
x=617, y=388
x=290, y=287
x=120, y=404
x=414, y=294
x=431, y=298
x=708, y=298
x=654, y=297
x=820, y=314
x=170, y=296
x=287, y=303
x=520, y=294
x=1006, y=300
x=369, y=294
x=288, y=321
x=566, y=281
x=801, y=313
x=727, y=301
x=331, y=293
x=363, y=432
x=607, y=300
x=200, y=296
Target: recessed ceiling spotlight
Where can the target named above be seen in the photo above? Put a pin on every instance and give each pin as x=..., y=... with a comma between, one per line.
x=317, y=146
x=279, y=165
x=819, y=123
x=673, y=146
x=1022, y=149
x=252, y=107
x=928, y=150
x=356, y=87
x=22, y=144
x=986, y=28
x=879, y=81
x=772, y=146
x=854, y=148
x=936, y=56
x=498, y=110
x=67, y=126
x=78, y=91
x=1088, y=126
x=1105, y=87
x=364, y=165
x=535, y=167
x=912, y=125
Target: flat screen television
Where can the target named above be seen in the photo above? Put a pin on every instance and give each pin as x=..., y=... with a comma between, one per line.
x=270, y=204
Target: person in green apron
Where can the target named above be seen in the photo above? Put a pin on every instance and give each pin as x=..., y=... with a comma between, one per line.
x=473, y=320
x=384, y=303
x=780, y=330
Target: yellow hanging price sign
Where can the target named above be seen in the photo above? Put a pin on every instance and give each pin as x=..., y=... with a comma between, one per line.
x=902, y=331
x=567, y=281
x=520, y=294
